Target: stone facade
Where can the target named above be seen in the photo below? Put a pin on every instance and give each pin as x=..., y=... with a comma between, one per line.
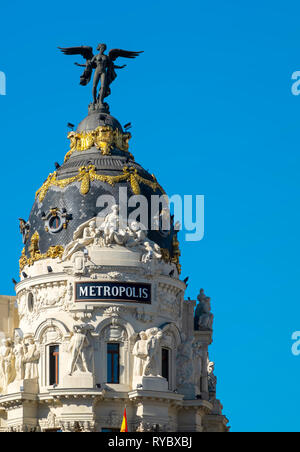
x=82, y=399
x=9, y=318
x=101, y=320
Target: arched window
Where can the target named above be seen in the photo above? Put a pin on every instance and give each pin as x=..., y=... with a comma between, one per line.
x=112, y=363
x=169, y=344
x=30, y=301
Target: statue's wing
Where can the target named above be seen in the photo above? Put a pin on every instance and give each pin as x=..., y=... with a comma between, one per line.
x=116, y=53
x=85, y=51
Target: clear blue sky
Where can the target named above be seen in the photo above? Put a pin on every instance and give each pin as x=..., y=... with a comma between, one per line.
x=212, y=112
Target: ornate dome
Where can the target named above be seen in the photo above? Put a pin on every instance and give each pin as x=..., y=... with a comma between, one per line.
x=98, y=163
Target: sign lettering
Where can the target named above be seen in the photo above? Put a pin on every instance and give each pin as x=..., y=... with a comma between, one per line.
x=113, y=291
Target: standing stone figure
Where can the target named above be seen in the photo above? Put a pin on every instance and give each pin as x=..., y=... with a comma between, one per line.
x=212, y=379
x=31, y=359
x=140, y=354
x=78, y=343
x=152, y=366
x=6, y=364
x=19, y=352
x=203, y=317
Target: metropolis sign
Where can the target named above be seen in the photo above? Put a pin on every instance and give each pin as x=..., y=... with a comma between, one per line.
x=113, y=291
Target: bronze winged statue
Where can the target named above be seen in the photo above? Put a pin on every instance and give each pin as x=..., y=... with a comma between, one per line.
x=104, y=67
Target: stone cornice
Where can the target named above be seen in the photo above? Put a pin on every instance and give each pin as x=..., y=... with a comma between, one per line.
x=172, y=397
x=41, y=279
x=16, y=399
x=198, y=404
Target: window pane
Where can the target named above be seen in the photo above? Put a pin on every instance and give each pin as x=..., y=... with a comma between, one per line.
x=109, y=368
x=53, y=364
x=54, y=222
x=165, y=363
x=113, y=363
x=116, y=368
x=113, y=347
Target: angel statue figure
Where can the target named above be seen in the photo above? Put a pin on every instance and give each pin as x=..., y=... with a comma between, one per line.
x=104, y=67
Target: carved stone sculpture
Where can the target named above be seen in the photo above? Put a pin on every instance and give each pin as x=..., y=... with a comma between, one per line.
x=83, y=236
x=113, y=231
x=31, y=359
x=140, y=353
x=145, y=352
x=133, y=236
x=78, y=343
x=136, y=234
x=112, y=228
x=152, y=250
x=19, y=352
x=152, y=365
x=7, y=371
x=51, y=421
x=212, y=379
x=203, y=317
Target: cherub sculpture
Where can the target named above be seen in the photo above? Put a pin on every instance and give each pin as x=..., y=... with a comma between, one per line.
x=104, y=67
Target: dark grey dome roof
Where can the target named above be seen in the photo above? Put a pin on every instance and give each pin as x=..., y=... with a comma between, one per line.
x=96, y=119
x=77, y=207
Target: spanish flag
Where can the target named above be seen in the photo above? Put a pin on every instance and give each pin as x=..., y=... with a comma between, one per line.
x=124, y=427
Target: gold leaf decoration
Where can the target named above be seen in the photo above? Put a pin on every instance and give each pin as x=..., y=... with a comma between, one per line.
x=165, y=255
x=176, y=252
x=35, y=254
x=87, y=174
x=104, y=138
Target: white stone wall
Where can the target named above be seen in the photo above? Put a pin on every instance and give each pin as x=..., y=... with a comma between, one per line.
x=83, y=400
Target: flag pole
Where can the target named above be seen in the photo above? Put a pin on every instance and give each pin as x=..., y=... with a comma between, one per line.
x=124, y=426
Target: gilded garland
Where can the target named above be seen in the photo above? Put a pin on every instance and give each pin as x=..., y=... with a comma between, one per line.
x=104, y=138
x=87, y=174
